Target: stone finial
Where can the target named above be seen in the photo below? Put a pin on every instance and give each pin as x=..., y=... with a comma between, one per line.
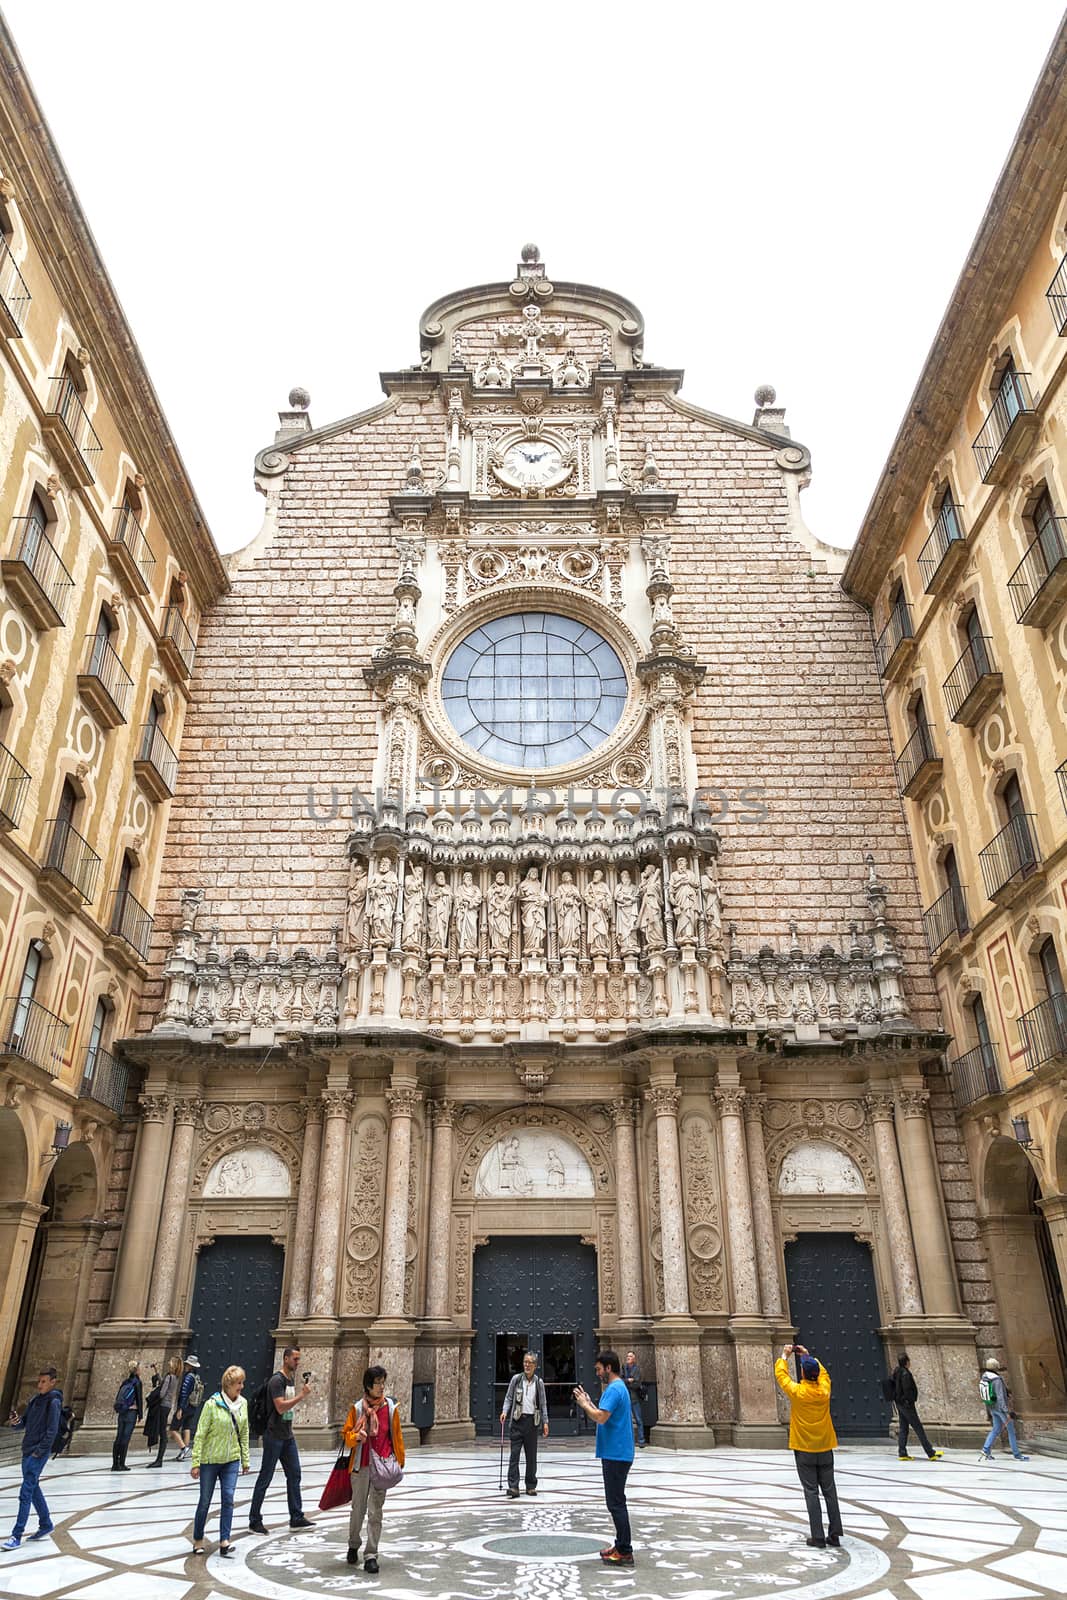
x=530, y=253
x=765, y=395
x=414, y=480
x=299, y=399
x=769, y=416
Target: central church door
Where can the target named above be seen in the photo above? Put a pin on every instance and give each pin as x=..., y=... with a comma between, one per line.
x=833, y=1302
x=539, y=1295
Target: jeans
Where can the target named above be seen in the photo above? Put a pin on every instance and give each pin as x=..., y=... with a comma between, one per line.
x=638, y=1418
x=815, y=1469
x=126, y=1422
x=1000, y=1421
x=615, y=1474
x=225, y=1475
x=30, y=1493
x=909, y=1418
x=285, y=1451
x=523, y=1437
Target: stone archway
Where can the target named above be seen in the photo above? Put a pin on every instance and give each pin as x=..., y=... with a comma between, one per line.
x=18, y=1224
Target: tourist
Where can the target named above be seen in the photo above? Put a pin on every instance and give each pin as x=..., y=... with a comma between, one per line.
x=155, y=1422
x=279, y=1444
x=190, y=1394
x=220, y=1452
x=996, y=1397
x=129, y=1409
x=40, y=1424
x=168, y=1405
x=372, y=1427
x=526, y=1403
x=905, y=1395
x=812, y=1440
x=615, y=1448
x=631, y=1376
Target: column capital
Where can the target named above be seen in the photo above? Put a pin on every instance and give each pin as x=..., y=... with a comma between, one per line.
x=879, y=1107
x=755, y=1107
x=664, y=1102
x=730, y=1102
x=337, y=1102
x=402, y=1102
x=312, y=1108
x=154, y=1107
x=187, y=1112
x=443, y=1113
x=624, y=1112
x=913, y=1102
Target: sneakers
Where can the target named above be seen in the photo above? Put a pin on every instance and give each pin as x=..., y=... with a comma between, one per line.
x=257, y=1527
x=183, y=1454
x=42, y=1532
x=370, y=1565
x=936, y=1455
x=300, y=1522
x=986, y=1459
x=615, y=1558
x=1022, y=1458
x=904, y=1456
x=12, y=1543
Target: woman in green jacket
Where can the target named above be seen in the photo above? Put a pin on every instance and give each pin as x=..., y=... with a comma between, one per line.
x=219, y=1450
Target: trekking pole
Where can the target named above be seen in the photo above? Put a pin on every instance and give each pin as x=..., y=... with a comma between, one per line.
x=500, y=1483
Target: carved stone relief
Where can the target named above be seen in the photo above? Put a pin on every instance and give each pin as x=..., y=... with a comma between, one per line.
x=461, y=1267
x=250, y=1148
x=551, y=1120
x=703, y=1221
x=252, y=1172
x=817, y=1167
x=363, y=1236
x=533, y=1164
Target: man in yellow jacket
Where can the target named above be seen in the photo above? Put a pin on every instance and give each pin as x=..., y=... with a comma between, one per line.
x=812, y=1440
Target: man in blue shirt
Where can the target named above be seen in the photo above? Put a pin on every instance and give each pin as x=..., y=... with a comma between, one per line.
x=615, y=1447
x=40, y=1422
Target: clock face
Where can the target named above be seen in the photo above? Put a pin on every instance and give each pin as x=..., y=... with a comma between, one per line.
x=533, y=462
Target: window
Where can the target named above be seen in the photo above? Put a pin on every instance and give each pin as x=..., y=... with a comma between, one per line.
x=981, y=1025
x=101, y=641
x=96, y=1039
x=36, y=529
x=125, y=877
x=27, y=989
x=1006, y=389
x=1011, y=798
x=972, y=627
x=918, y=715
x=946, y=516
x=1047, y=527
x=1050, y=969
x=153, y=716
x=952, y=882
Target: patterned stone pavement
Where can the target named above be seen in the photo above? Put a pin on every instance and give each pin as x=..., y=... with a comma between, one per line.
x=708, y=1525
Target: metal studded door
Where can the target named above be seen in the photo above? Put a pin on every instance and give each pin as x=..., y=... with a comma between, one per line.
x=236, y=1303
x=540, y=1295
x=833, y=1303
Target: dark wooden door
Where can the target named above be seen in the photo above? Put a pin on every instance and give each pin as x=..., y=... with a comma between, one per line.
x=236, y=1303
x=833, y=1303
x=540, y=1295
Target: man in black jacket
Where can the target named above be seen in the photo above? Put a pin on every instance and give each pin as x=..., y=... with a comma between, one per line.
x=40, y=1424
x=905, y=1395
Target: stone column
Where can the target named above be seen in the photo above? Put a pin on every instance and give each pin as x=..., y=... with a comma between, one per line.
x=664, y=1103
x=762, y=1215
x=440, y=1244
x=175, y=1209
x=933, y=1249
x=894, y=1206
x=18, y=1224
x=337, y=1109
x=743, y=1274
x=306, y=1207
x=142, y=1210
x=1055, y=1212
x=402, y=1103
x=631, y=1297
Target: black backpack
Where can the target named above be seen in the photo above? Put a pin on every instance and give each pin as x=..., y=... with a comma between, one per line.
x=127, y=1395
x=889, y=1388
x=259, y=1411
x=67, y=1424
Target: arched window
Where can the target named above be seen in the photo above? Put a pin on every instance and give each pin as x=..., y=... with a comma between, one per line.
x=1050, y=969
x=952, y=883
x=96, y=1041
x=976, y=642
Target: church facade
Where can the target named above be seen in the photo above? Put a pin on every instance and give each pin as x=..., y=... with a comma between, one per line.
x=541, y=958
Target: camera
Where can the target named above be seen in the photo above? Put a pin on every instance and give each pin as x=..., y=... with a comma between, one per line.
x=306, y=1376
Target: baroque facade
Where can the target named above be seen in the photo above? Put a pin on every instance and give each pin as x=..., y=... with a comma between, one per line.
x=542, y=960
x=963, y=561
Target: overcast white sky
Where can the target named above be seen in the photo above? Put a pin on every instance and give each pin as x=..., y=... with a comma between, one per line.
x=787, y=191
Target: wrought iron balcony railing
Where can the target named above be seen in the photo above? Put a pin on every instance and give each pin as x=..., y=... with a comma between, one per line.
x=133, y=551
x=104, y=1079
x=1061, y=775
x=973, y=683
x=14, y=293
x=176, y=642
x=1056, y=295
x=918, y=763
x=105, y=681
x=14, y=787
x=34, y=1034
x=893, y=637
x=36, y=575
x=1012, y=405
x=65, y=405
x=975, y=1074
x=1039, y=583
x=946, y=538
x=947, y=916
x=156, y=764
x=70, y=857
x=130, y=921
x=1043, y=1031
x=1010, y=854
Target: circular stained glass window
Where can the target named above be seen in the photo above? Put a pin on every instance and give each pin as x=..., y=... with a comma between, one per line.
x=534, y=690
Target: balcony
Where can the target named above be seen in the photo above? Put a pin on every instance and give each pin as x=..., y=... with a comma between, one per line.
x=918, y=765
x=1008, y=431
x=130, y=922
x=1043, y=1032
x=14, y=787
x=104, y=1079
x=1061, y=778
x=105, y=685
x=975, y=1074
x=131, y=553
x=33, y=1034
x=70, y=433
x=156, y=765
x=974, y=682
x=14, y=295
x=946, y=919
x=1056, y=295
x=945, y=551
x=36, y=576
x=176, y=644
x=71, y=868
x=1038, y=586
x=895, y=642
x=1011, y=856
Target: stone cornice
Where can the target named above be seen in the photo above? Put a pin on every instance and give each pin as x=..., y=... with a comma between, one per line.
x=1030, y=185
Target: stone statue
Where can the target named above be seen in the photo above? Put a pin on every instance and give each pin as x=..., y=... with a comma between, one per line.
x=555, y=1171
x=598, y=908
x=414, y=908
x=626, y=909
x=684, y=902
x=533, y=902
x=439, y=913
x=468, y=904
x=381, y=901
x=568, y=915
x=498, y=908
x=712, y=904
x=650, y=915
x=357, y=907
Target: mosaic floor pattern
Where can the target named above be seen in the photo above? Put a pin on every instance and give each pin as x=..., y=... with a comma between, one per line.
x=708, y=1525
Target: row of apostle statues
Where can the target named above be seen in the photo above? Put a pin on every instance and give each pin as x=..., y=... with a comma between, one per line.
x=503, y=916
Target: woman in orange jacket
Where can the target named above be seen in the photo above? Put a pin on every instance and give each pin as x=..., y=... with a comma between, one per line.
x=373, y=1423
x=812, y=1440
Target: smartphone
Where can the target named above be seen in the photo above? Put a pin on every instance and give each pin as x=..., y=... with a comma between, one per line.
x=306, y=1376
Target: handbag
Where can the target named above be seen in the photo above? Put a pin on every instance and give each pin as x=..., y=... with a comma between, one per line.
x=338, y=1490
x=385, y=1471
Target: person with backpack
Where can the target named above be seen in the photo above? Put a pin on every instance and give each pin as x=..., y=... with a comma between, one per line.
x=996, y=1397
x=220, y=1453
x=373, y=1433
x=190, y=1399
x=900, y=1387
x=812, y=1440
x=278, y=1442
x=40, y=1424
x=129, y=1409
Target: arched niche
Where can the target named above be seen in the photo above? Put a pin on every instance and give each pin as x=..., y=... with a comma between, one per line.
x=252, y=1172
x=815, y=1166
x=534, y=1164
